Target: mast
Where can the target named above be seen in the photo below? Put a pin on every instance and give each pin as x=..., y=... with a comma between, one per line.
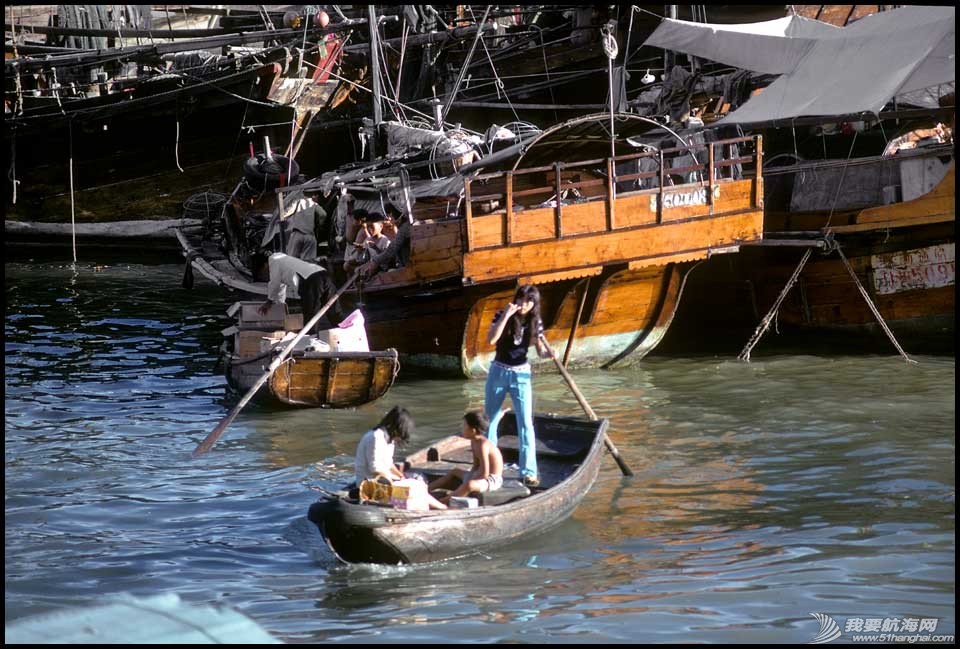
x=375, y=73
x=667, y=54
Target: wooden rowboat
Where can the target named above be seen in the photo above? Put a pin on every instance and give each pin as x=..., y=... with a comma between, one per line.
x=569, y=452
x=319, y=379
x=307, y=378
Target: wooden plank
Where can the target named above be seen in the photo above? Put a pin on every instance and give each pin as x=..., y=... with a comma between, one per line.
x=509, y=210
x=623, y=245
x=558, y=186
x=468, y=207
x=758, y=188
x=904, y=222
x=545, y=278
x=611, y=195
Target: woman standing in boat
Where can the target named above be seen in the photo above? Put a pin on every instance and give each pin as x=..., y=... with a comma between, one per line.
x=510, y=373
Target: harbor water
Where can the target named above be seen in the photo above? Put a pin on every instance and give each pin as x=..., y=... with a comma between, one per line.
x=764, y=492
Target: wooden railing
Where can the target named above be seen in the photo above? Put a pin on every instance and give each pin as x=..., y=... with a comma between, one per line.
x=712, y=167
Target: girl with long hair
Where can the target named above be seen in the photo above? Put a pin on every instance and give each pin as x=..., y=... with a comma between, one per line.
x=512, y=331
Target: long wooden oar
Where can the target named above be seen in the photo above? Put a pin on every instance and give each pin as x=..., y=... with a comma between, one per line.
x=215, y=434
x=586, y=407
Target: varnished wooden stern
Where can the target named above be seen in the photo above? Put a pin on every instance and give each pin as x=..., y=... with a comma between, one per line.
x=321, y=379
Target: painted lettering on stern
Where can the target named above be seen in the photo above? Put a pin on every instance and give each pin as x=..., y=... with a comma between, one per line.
x=684, y=199
x=914, y=269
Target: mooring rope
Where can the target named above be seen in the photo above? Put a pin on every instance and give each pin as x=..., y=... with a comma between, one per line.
x=73, y=220
x=873, y=308
x=765, y=323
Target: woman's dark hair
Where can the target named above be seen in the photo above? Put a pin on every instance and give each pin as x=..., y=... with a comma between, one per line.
x=525, y=293
x=398, y=423
x=477, y=420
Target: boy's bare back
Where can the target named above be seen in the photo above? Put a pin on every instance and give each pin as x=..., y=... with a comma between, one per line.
x=484, y=448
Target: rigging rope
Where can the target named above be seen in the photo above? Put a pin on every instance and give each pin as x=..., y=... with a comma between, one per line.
x=765, y=323
x=873, y=308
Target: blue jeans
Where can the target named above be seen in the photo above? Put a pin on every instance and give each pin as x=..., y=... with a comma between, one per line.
x=503, y=380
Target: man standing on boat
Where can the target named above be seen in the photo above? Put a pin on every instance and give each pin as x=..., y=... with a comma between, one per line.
x=312, y=282
x=301, y=226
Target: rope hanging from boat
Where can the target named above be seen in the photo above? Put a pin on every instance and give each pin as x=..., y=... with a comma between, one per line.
x=466, y=64
x=497, y=80
x=840, y=183
x=12, y=174
x=765, y=323
x=873, y=308
x=387, y=82
x=73, y=220
x=403, y=51
x=176, y=148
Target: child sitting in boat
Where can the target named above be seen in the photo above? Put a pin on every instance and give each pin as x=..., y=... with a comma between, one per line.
x=486, y=474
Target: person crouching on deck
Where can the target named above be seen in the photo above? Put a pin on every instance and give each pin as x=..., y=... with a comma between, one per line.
x=375, y=450
x=312, y=282
x=486, y=474
x=511, y=332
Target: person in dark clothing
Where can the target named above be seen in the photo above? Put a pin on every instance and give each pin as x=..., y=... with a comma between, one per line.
x=512, y=331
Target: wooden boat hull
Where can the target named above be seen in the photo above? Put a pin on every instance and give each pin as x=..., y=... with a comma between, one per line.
x=379, y=534
x=902, y=253
x=320, y=379
x=610, y=265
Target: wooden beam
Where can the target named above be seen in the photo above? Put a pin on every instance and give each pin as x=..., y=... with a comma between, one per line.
x=558, y=218
x=611, y=201
x=509, y=209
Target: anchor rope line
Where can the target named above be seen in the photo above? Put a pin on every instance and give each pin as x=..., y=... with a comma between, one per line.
x=73, y=220
x=873, y=308
x=765, y=323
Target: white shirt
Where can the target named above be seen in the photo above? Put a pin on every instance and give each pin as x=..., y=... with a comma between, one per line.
x=283, y=273
x=374, y=455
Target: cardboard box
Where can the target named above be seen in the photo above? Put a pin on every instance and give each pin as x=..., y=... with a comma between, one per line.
x=273, y=319
x=293, y=322
x=409, y=494
x=248, y=343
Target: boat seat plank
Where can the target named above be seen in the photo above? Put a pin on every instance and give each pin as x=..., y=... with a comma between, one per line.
x=545, y=447
x=433, y=470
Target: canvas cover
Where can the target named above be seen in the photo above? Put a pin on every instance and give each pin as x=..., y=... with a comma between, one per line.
x=826, y=70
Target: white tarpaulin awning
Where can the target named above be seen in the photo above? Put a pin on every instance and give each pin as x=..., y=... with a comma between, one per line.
x=826, y=70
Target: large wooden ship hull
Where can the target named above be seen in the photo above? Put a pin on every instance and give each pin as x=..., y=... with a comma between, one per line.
x=610, y=265
x=902, y=254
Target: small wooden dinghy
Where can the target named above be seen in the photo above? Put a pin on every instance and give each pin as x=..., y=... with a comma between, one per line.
x=313, y=375
x=569, y=451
